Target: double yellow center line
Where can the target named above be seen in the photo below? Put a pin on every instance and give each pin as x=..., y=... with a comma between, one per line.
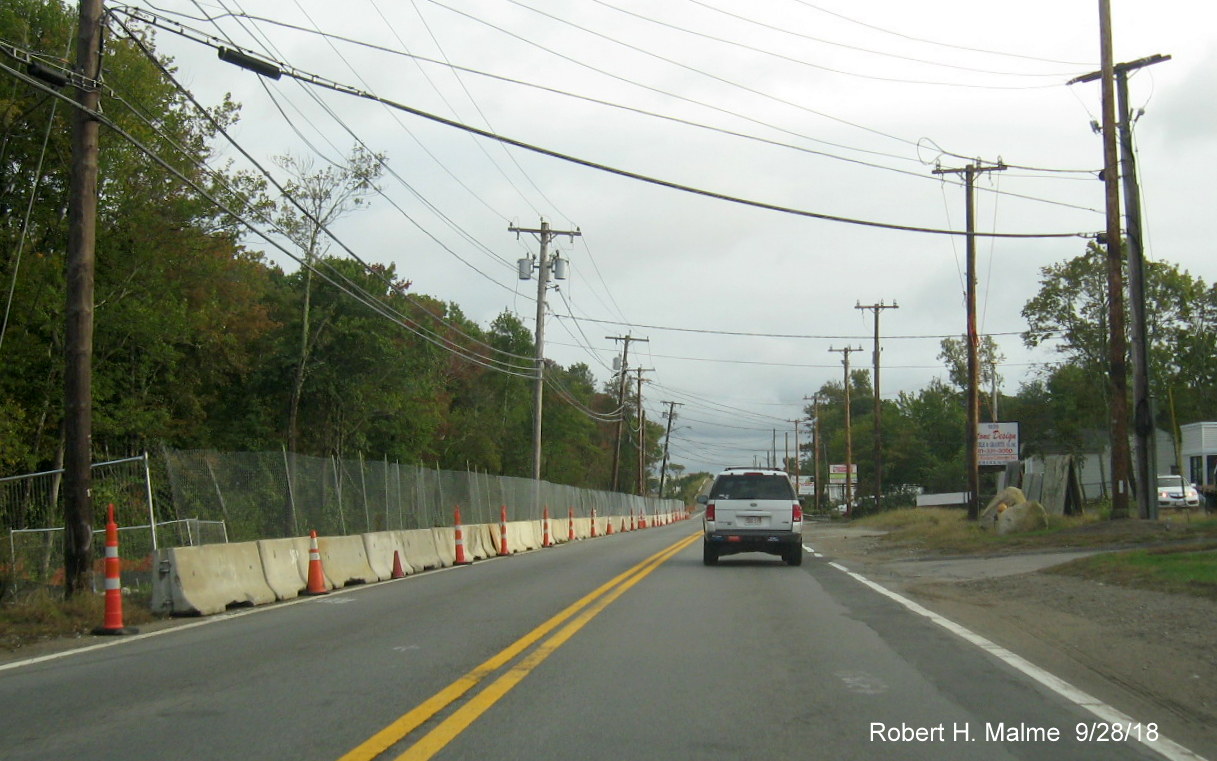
x=582, y=611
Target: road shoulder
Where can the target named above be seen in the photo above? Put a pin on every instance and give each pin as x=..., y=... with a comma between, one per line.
x=1151, y=655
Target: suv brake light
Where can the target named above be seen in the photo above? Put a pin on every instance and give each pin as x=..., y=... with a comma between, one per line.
x=796, y=513
x=710, y=511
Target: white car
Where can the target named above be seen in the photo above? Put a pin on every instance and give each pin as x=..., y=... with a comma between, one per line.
x=752, y=510
x=1173, y=491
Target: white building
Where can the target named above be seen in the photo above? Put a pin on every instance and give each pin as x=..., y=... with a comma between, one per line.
x=1198, y=453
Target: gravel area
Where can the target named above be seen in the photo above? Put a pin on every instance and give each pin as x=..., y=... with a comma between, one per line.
x=1152, y=656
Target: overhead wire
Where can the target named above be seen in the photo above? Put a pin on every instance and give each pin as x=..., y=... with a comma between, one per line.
x=955, y=46
x=823, y=41
x=329, y=233
x=843, y=72
x=337, y=281
x=686, y=122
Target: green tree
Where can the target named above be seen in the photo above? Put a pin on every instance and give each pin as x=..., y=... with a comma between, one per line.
x=314, y=199
x=955, y=354
x=1181, y=310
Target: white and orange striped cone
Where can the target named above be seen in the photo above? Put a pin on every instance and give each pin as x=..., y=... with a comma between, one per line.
x=316, y=574
x=503, y=549
x=460, y=540
x=113, y=621
x=398, y=571
x=608, y=526
x=633, y=525
x=594, y=532
x=570, y=524
x=546, y=539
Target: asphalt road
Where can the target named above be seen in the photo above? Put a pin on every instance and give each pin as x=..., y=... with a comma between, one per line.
x=625, y=647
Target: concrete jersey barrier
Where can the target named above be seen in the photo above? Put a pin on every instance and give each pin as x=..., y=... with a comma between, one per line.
x=380, y=547
x=345, y=560
x=209, y=579
x=420, y=548
x=285, y=566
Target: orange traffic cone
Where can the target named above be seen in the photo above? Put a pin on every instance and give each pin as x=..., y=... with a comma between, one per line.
x=460, y=540
x=398, y=571
x=113, y=622
x=570, y=524
x=546, y=540
x=633, y=526
x=316, y=574
x=503, y=531
x=594, y=534
x=609, y=524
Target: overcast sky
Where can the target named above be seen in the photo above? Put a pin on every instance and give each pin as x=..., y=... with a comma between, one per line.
x=836, y=107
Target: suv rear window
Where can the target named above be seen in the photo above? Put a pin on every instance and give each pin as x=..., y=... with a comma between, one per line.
x=752, y=486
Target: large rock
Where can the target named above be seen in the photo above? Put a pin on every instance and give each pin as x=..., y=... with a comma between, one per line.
x=1026, y=516
x=1007, y=497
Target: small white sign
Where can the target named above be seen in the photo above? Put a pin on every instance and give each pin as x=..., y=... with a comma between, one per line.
x=997, y=443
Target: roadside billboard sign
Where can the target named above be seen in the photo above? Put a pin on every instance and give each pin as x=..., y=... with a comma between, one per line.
x=836, y=474
x=996, y=443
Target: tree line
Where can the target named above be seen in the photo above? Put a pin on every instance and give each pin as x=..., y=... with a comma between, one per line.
x=1062, y=409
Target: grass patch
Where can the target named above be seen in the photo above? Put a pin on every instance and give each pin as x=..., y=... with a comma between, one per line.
x=1184, y=569
x=949, y=531
x=43, y=615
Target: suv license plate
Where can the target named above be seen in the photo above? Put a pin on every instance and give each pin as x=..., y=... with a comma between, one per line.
x=752, y=520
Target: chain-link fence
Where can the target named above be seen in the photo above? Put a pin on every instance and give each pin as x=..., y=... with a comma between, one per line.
x=264, y=495
x=204, y=497
x=31, y=508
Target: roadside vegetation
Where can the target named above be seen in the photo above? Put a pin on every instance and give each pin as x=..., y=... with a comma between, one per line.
x=1176, y=554
x=43, y=615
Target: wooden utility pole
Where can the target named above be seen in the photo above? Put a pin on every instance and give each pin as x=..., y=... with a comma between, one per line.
x=663, y=468
x=815, y=445
x=815, y=453
x=1143, y=419
x=78, y=335
x=1116, y=343
x=877, y=308
x=973, y=337
x=625, y=364
x=642, y=436
x=545, y=234
x=849, y=441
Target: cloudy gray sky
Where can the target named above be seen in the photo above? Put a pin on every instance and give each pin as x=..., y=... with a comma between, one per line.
x=835, y=107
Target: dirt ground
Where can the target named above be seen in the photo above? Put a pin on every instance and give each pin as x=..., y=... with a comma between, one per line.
x=1152, y=656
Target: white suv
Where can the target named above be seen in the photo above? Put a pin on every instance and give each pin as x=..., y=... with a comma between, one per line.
x=752, y=510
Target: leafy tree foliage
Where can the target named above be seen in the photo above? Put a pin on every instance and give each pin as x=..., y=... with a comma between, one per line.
x=1071, y=311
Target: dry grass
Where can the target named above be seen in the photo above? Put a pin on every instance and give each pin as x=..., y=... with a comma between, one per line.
x=950, y=531
x=1176, y=554
x=44, y=615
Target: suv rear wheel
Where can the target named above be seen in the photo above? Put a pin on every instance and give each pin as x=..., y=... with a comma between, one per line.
x=794, y=555
x=709, y=555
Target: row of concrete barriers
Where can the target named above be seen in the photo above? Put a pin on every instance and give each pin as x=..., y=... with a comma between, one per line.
x=213, y=578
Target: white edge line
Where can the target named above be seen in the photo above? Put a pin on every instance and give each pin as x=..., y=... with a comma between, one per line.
x=1162, y=745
